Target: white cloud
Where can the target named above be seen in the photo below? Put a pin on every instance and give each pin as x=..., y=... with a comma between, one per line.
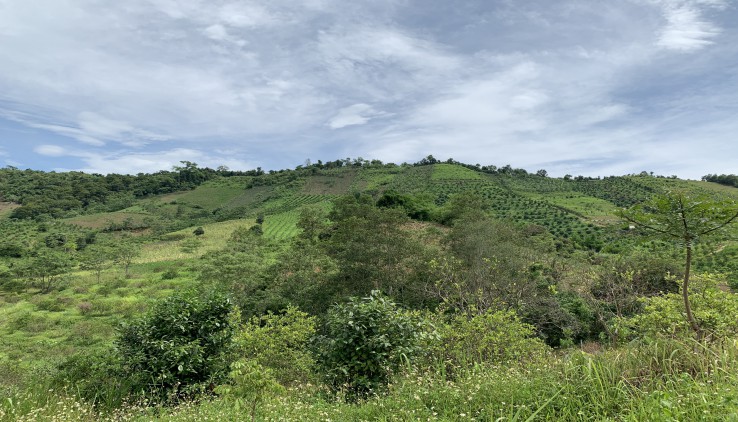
x=525, y=83
x=357, y=114
x=686, y=30
x=132, y=163
x=51, y=150
x=245, y=15
x=216, y=32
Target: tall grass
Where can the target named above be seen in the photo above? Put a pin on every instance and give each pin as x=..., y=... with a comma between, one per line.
x=657, y=381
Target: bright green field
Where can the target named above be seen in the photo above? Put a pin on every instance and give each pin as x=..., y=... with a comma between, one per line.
x=281, y=226
x=588, y=206
x=453, y=172
x=170, y=247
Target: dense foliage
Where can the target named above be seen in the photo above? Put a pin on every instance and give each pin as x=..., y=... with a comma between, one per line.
x=181, y=347
x=364, y=342
x=723, y=179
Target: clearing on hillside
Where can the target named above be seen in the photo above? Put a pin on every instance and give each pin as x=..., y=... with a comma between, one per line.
x=103, y=220
x=6, y=208
x=453, y=172
x=329, y=184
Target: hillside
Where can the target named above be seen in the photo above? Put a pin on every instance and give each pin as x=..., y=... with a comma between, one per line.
x=449, y=241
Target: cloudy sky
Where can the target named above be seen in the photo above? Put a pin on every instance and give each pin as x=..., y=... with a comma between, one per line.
x=592, y=87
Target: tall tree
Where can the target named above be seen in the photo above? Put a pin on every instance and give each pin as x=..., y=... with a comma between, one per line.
x=686, y=219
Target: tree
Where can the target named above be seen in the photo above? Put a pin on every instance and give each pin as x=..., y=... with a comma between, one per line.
x=47, y=268
x=96, y=258
x=686, y=219
x=370, y=248
x=312, y=223
x=125, y=252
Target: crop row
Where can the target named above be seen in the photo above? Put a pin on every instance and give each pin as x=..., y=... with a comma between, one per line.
x=281, y=226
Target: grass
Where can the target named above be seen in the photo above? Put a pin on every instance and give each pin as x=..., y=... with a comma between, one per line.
x=587, y=206
x=207, y=196
x=6, y=208
x=101, y=220
x=454, y=172
x=170, y=247
x=681, y=385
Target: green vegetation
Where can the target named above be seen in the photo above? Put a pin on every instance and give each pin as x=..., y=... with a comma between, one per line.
x=359, y=290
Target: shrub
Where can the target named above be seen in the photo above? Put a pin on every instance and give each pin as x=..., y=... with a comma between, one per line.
x=170, y=274
x=663, y=316
x=180, y=348
x=85, y=308
x=250, y=384
x=98, y=377
x=364, y=342
x=488, y=338
x=279, y=342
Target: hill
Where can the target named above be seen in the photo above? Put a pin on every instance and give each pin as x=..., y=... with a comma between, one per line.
x=449, y=241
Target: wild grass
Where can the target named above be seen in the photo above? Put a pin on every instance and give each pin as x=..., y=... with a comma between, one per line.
x=101, y=220
x=659, y=381
x=6, y=208
x=207, y=196
x=170, y=247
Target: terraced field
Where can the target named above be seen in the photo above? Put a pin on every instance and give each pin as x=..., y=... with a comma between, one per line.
x=281, y=226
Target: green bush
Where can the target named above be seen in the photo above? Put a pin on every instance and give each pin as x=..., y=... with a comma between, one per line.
x=488, y=338
x=180, y=348
x=98, y=377
x=663, y=316
x=249, y=384
x=279, y=342
x=364, y=342
x=170, y=274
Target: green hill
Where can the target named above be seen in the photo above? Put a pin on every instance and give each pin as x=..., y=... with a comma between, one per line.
x=538, y=263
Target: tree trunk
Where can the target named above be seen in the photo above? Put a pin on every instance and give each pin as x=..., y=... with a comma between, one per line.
x=685, y=294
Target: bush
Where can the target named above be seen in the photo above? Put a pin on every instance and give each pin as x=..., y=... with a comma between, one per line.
x=250, y=384
x=663, y=316
x=488, y=338
x=170, y=274
x=364, y=342
x=98, y=377
x=180, y=348
x=279, y=342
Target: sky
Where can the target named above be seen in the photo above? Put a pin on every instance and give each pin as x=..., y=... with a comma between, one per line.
x=590, y=87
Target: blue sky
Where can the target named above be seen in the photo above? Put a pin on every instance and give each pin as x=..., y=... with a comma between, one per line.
x=572, y=86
